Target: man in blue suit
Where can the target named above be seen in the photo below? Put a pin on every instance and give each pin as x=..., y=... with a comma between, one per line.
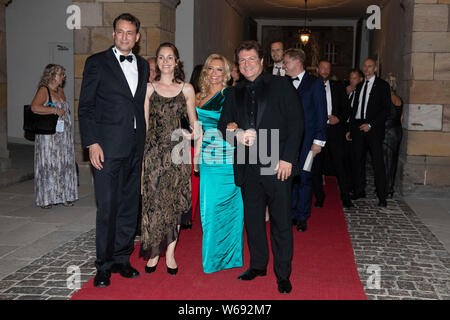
x=314, y=101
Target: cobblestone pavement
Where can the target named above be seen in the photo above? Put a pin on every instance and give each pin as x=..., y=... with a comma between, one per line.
x=391, y=243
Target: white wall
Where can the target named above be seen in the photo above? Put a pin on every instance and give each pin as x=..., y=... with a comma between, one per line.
x=184, y=35
x=33, y=28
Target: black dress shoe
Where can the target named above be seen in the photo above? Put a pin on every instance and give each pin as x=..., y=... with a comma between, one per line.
x=102, y=279
x=251, y=274
x=284, y=286
x=294, y=222
x=382, y=203
x=347, y=203
x=172, y=271
x=186, y=226
x=125, y=270
x=357, y=196
x=301, y=226
x=318, y=204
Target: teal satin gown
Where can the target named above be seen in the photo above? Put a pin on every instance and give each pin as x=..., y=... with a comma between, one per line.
x=221, y=205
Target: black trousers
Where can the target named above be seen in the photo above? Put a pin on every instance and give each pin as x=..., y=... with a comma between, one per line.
x=257, y=191
x=334, y=152
x=117, y=193
x=361, y=142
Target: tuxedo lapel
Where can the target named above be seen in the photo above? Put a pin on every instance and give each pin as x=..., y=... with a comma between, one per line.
x=117, y=70
x=141, y=81
x=240, y=103
x=262, y=101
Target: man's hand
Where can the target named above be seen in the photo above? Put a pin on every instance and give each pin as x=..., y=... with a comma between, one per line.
x=96, y=156
x=316, y=149
x=333, y=119
x=365, y=127
x=247, y=137
x=347, y=136
x=284, y=170
x=232, y=126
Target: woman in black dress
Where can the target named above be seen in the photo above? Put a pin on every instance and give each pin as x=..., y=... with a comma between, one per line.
x=393, y=136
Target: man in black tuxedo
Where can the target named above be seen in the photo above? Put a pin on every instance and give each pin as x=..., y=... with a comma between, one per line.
x=265, y=102
x=111, y=115
x=367, y=122
x=338, y=109
x=277, y=55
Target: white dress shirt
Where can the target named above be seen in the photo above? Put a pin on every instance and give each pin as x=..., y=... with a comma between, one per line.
x=369, y=89
x=277, y=67
x=329, y=100
x=296, y=84
x=130, y=70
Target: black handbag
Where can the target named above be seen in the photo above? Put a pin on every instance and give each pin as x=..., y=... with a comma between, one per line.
x=37, y=123
x=184, y=123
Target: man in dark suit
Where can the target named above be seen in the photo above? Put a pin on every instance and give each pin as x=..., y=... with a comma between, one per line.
x=355, y=77
x=367, y=123
x=264, y=103
x=312, y=94
x=111, y=115
x=338, y=109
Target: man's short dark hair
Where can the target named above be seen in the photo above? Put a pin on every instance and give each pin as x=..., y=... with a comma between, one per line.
x=128, y=17
x=323, y=60
x=249, y=45
x=358, y=71
x=277, y=41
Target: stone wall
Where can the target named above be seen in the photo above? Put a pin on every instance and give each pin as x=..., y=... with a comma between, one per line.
x=426, y=160
x=157, y=25
x=414, y=44
x=4, y=153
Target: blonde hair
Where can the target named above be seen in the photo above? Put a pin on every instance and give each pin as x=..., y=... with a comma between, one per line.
x=203, y=82
x=392, y=80
x=49, y=74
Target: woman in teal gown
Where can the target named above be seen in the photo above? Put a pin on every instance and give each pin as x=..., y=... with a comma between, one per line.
x=221, y=205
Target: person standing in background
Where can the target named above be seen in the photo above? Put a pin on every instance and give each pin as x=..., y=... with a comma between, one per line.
x=338, y=111
x=314, y=102
x=393, y=136
x=55, y=177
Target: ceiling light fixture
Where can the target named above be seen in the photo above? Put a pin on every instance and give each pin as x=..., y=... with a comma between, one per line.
x=305, y=33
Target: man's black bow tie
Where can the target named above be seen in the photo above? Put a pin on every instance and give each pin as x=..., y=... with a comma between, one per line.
x=293, y=79
x=129, y=58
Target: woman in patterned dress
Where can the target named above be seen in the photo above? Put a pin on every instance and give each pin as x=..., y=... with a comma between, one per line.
x=55, y=179
x=166, y=192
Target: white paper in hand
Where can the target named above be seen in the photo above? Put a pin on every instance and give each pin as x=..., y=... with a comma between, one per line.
x=308, y=162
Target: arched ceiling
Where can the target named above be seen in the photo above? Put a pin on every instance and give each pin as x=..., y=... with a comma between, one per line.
x=295, y=9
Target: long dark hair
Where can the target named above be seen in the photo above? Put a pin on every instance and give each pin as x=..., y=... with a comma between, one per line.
x=179, y=67
x=195, y=76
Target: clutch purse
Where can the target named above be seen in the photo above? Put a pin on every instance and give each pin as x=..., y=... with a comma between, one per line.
x=37, y=123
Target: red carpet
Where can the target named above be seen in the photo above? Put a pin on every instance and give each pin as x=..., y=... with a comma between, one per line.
x=323, y=268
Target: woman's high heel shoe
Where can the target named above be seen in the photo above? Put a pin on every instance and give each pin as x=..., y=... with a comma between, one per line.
x=150, y=269
x=172, y=271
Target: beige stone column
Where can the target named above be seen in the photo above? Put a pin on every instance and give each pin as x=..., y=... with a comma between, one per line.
x=157, y=25
x=427, y=145
x=4, y=153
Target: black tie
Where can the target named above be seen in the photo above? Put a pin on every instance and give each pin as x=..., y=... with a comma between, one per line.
x=293, y=79
x=363, y=103
x=123, y=58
